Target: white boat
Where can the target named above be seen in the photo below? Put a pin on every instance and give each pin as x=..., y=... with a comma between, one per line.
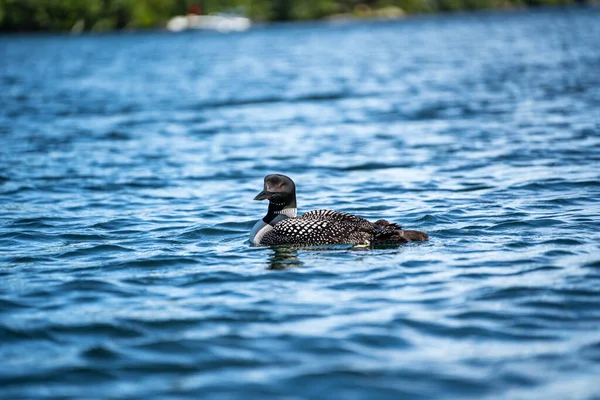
x=215, y=22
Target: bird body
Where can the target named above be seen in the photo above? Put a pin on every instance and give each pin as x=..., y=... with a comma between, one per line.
x=319, y=227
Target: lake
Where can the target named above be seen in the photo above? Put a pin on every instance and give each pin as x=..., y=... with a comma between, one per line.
x=128, y=165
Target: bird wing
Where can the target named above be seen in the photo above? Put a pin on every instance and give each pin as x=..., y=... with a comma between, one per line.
x=316, y=232
x=380, y=232
x=337, y=216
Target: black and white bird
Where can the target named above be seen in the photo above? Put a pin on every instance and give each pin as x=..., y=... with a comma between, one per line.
x=281, y=226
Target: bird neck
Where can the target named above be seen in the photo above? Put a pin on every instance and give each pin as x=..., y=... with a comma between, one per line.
x=287, y=209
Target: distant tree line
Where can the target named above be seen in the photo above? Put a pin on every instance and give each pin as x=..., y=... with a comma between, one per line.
x=100, y=15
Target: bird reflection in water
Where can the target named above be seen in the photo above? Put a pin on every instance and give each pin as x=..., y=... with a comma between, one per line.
x=284, y=258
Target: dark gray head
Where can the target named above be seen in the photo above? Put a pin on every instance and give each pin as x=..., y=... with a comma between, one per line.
x=280, y=191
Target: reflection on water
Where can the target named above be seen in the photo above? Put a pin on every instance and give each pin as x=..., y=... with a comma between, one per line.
x=283, y=258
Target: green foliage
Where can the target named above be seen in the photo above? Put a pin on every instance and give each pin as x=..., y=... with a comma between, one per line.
x=416, y=6
x=99, y=15
x=313, y=9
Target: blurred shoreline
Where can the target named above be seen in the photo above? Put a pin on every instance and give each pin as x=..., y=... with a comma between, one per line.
x=101, y=17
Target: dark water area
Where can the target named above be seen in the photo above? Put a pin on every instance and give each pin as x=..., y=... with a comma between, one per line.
x=128, y=165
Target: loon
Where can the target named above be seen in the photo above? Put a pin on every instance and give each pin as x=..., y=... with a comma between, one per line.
x=281, y=226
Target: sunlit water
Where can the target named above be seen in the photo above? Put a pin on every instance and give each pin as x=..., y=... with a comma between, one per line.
x=128, y=164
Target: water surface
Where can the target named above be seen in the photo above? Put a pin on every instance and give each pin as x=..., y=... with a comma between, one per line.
x=128, y=164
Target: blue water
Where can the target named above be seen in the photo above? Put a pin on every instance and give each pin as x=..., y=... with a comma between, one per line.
x=128, y=164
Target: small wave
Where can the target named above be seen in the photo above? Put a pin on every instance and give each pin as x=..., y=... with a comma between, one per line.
x=511, y=225
x=30, y=223
x=466, y=330
x=216, y=230
x=91, y=285
x=100, y=353
x=157, y=262
x=563, y=242
x=9, y=305
x=116, y=224
x=83, y=237
x=117, y=135
x=558, y=253
x=524, y=271
x=108, y=330
x=554, y=183
x=591, y=351
x=592, y=264
x=30, y=260
x=315, y=97
x=371, y=166
x=14, y=334
x=95, y=250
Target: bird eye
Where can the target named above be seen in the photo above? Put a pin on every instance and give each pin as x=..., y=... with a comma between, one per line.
x=280, y=185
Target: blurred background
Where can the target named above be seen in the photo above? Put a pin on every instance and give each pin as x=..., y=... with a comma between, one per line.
x=102, y=15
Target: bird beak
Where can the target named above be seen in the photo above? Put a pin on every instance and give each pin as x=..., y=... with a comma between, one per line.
x=263, y=195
